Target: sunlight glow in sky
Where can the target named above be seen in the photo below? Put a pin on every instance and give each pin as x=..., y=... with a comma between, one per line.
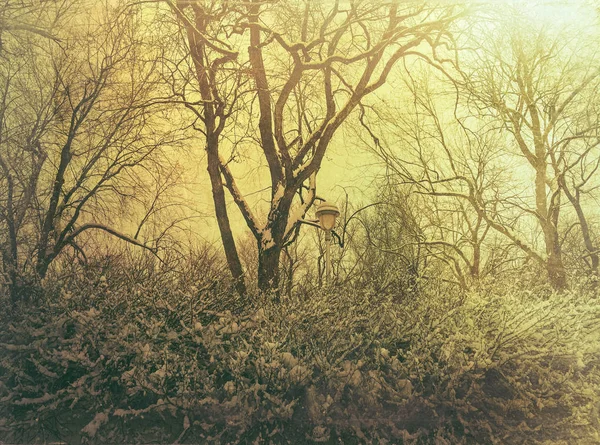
x=552, y=13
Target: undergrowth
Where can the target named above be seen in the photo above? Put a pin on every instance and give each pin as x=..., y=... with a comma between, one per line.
x=94, y=362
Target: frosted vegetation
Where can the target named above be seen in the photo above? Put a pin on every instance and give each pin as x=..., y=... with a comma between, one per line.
x=162, y=277
x=153, y=359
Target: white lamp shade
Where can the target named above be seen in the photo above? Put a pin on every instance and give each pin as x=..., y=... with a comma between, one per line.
x=327, y=213
x=327, y=221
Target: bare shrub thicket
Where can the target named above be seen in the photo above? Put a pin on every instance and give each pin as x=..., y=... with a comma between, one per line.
x=115, y=361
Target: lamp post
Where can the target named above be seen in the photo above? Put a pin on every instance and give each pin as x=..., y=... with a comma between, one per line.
x=327, y=214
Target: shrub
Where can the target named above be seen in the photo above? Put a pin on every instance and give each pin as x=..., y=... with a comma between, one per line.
x=159, y=363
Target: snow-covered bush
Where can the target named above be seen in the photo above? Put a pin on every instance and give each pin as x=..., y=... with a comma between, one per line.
x=154, y=363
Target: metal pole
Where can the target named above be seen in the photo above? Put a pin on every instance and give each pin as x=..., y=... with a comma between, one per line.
x=328, y=257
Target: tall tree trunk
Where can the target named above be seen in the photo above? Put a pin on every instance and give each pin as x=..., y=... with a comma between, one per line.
x=289, y=273
x=10, y=255
x=218, y=193
x=555, y=268
x=213, y=109
x=42, y=266
x=44, y=259
x=475, y=269
x=583, y=224
x=10, y=268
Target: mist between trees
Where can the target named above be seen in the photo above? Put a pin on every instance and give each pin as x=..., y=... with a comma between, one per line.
x=476, y=124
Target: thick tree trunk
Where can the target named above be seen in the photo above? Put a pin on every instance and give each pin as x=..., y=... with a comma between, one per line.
x=289, y=276
x=557, y=276
x=42, y=266
x=556, y=272
x=268, y=270
x=270, y=245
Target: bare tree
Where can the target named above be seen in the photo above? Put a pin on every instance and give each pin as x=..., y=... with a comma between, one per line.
x=448, y=172
x=575, y=160
x=519, y=135
x=309, y=65
x=22, y=17
x=540, y=92
x=76, y=132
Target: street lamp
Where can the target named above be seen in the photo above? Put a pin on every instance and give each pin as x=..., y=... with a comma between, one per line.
x=327, y=214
